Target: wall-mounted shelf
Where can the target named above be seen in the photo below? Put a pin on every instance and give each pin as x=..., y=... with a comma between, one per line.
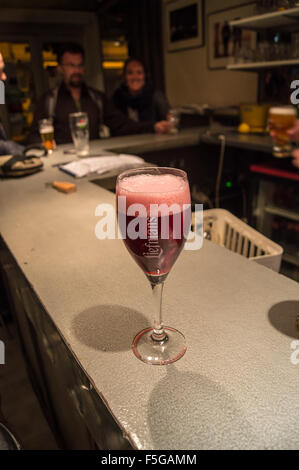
x=284, y=18
x=255, y=66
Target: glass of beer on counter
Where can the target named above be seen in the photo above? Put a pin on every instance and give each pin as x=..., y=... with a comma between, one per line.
x=281, y=119
x=46, y=130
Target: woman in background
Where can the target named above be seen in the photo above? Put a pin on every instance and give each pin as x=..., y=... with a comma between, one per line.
x=137, y=98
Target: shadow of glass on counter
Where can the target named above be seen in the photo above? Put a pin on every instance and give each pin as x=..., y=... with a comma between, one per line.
x=197, y=413
x=99, y=327
x=284, y=317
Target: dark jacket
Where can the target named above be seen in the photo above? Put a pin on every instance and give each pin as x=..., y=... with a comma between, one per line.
x=149, y=104
x=8, y=147
x=106, y=114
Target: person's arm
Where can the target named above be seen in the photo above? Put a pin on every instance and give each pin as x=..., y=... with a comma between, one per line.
x=119, y=124
x=161, y=105
x=295, y=160
x=294, y=135
x=8, y=147
x=294, y=132
x=40, y=112
x=2, y=132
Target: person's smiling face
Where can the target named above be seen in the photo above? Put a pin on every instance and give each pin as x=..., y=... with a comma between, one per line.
x=135, y=77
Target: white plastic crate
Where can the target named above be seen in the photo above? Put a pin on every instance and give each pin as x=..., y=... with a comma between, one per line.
x=223, y=228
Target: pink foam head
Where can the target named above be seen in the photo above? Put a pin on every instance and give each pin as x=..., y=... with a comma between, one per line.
x=147, y=189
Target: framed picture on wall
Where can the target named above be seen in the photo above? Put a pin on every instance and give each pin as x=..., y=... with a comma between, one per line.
x=224, y=40
x=184, y=24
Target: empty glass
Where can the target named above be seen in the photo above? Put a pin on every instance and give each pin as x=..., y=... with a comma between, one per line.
x=80, y=132
x=174, y=118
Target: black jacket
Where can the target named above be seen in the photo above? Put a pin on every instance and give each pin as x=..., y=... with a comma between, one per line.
x=106, y=114
x=149, y=104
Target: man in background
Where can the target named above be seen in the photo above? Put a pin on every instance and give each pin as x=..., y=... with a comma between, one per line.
x=74, y=95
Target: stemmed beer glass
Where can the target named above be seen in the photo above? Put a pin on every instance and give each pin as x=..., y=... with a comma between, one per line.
x=154, y=214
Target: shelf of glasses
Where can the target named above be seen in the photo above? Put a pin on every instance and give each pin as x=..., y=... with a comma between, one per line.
x=253, y=66
x=273, y=19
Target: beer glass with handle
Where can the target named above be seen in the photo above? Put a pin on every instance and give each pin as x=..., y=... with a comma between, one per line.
x=155, y=238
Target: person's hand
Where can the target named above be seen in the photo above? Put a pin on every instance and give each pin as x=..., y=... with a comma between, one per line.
x=294, y=131
x=162, y=127
x=2, y=74
x=295, y=160
x=294, y=135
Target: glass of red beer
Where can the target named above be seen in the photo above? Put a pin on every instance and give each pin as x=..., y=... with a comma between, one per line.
x=154, y=213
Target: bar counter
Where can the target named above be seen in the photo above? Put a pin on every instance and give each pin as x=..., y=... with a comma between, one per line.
x=237, y=385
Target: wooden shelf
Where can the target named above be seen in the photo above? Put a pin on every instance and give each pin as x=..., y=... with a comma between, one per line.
x=274, y=19
x=255, y=66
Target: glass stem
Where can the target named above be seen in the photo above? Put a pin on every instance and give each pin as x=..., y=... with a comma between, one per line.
x=158, y=333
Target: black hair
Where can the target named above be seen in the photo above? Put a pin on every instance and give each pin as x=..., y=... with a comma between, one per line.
x=72, y=48
x=134, y=59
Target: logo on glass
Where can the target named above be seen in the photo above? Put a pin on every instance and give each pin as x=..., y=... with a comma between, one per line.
x=2, y=94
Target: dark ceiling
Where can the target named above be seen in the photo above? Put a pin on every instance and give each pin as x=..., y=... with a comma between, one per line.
x=86, y=5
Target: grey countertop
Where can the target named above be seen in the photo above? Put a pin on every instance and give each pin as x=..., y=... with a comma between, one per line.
x=254, y=142
x=236, y=386
x=187, y=137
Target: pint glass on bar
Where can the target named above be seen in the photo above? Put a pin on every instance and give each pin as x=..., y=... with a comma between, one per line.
x=80, y=132
x=46, y=130
x=281, y=119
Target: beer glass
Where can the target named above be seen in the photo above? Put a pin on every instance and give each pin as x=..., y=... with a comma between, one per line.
x=80, y=132
x=161, y=196
x=281, y=119
x=46, y=130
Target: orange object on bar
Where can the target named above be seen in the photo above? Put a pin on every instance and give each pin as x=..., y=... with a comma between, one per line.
x=64, y=187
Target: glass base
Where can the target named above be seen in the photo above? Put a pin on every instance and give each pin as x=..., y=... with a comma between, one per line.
x=148, y=350
x=83, y=153
x=282, y=151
